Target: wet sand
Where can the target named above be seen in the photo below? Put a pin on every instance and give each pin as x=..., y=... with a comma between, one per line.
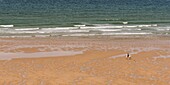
x=99, y=61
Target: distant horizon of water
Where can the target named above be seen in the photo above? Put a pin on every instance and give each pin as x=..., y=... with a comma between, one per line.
x=106, y=15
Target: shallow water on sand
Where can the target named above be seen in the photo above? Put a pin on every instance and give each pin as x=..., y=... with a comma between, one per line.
x=9, y=56
x=22, y=48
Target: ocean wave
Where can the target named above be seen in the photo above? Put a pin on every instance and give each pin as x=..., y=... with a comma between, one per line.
x=109, y=30
x=163, y=29
x=104, y=26
x=80, y=35
x=100, y=27
x=132, y=29
x=131, y=26
x=90, y=30
x=151, y=25
x=73, y=31
x=125, y=22
x=79, y=25
x=6, y=25
x=26, y=32
x=59, y=28
x=141, y=33
x=79, y=31
x=26, y=29
x=140, y=26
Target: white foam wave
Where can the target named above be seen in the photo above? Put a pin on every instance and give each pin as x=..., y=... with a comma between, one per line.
x=57, y=31
x=163, y=29
x=96, y=29
x=132, y=29
x=79, y=30
x=80, y=35
x=6, y=25
x=103, y=26
x=60, y=28
x=130, y=26
x=73, y=31
x=27, y=29
x=109, y=30
x=125, y=22
x=142, y=33
x=100, y=27
x=144, y=25
x=154, y=25
x=22, y=32
x=140, y=26
x=107, y=34
x=31, y=31
x=151, y=25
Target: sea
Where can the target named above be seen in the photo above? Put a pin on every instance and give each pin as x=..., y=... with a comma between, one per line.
x=44, y=18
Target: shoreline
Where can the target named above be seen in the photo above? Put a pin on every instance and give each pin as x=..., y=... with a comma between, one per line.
x=96, y=36
x=56, y=45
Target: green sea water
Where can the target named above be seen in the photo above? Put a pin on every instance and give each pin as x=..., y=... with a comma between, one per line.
x=54, y=13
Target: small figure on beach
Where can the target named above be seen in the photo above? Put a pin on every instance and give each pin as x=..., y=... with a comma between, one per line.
x=128, y=56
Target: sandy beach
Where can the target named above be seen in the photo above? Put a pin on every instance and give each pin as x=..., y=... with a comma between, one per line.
x=85, y=61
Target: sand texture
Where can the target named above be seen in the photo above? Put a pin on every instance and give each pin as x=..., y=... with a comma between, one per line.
x=84, y=61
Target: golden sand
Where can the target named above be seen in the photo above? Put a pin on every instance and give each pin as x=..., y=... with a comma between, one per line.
x=102, y=62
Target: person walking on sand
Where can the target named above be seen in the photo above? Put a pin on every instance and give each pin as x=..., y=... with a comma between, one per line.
x=128, y=56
